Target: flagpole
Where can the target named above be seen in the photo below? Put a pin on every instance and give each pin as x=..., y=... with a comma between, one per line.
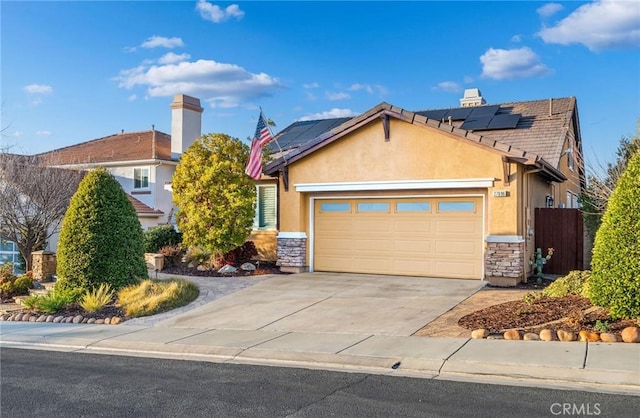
x=274, y=137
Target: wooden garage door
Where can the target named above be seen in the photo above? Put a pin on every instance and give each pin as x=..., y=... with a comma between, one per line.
x=435, y=237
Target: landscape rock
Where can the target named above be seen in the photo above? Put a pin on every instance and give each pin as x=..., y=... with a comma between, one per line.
x=631, y=335
x=531, y=336
x=85, y=320
x=115, y=320
x=608, y=337
x=26, y=317
x=588, y=336
x=566, y=335
x=91, y=321
x=58, y=319
x=49, y=318
x=495, y=337
x=201, y=268
x=77, y=319
x=512, y=334
x=248, y=267
x=107, y=321
x=41, y=318
x=33, y=318
x=99, y=321
x=18, y=317
x=67, y=320
x=227, y=269
x=480, y=333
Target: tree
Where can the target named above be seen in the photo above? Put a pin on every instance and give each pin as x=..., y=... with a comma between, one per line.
x=101, y=237
x=615, y=276
x=602, y=181
x=33, y=200
x=215, y=198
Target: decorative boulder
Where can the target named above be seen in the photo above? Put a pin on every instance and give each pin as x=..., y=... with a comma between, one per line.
x=608, y=337
x=248, y=267
x=631, y=335
x=546, y=335
x=566, y=335
x=227, y=269
x=512, y=334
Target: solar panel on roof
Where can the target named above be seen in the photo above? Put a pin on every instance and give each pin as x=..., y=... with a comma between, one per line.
x=479, y=111
x=459, y=114
x=476, y=123
x=434, y=114
x=504, y=121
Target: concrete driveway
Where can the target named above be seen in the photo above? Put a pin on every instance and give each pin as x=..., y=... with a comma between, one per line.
x=331, y=303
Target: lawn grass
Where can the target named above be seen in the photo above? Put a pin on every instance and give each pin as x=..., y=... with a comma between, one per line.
x=151, y=297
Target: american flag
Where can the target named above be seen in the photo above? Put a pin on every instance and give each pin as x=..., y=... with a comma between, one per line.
x=260, y=139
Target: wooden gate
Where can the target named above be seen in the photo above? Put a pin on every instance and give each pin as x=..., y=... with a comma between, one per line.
x=562, y=230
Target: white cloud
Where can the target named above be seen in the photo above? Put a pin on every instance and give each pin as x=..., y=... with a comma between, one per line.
x=220, y=84
x=216, y=14
x=501, y=64
x=600, y=25
x=313, y=85
x=329, y=114
x=517, y=38
x=371, y=89
x=549, y=9
x=448, y=86
x=44, y=133
x=337, y=95
x=132, y=97
x=172, y=58
x=38, y=89
x=161, y=41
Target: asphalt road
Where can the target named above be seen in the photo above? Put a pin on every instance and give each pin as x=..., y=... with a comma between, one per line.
x=54, y=384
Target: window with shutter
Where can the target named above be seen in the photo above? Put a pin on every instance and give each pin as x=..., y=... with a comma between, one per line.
x=266, y=207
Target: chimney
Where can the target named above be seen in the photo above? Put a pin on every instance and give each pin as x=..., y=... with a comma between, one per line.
x=186, y=123
x=472, y=97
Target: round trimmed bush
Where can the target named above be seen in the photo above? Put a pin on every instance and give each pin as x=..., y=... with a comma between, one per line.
x=101, y=237
x=615, y=279
x=160, y=236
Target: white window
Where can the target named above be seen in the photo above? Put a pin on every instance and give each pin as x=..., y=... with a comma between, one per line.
x=141, y=178
x=335, y=207
x=265, y=207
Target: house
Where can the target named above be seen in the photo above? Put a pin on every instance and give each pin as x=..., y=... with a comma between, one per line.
x=444, y=193
x=144, y=162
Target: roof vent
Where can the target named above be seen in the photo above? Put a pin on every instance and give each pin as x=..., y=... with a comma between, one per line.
x=472, y=97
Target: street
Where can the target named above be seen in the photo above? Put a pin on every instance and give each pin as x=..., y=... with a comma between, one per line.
x=38, y=383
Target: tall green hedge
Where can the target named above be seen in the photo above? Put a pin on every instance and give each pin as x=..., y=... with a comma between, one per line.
x=615, y=267
x=101, y=237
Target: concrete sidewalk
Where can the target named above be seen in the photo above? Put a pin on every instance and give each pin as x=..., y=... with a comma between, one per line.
x=582, y=366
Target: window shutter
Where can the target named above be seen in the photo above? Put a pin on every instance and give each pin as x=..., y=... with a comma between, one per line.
x=267, y=207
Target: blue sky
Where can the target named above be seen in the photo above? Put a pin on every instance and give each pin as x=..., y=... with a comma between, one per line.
x=75, y=71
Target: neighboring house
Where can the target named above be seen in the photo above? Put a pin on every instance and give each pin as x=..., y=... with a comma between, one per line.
x=439, y=193
x=144, y=162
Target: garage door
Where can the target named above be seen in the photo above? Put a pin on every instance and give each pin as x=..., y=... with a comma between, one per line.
x=435, y=237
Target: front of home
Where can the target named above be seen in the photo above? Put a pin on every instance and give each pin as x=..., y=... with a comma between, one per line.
x=447, y=193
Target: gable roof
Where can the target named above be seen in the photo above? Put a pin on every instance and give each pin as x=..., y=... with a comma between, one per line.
x=536, y=139
x=126, y=146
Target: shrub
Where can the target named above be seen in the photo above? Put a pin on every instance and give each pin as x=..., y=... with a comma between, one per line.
x=10, y=285
x=96, y=299
x=151, y=297
x=160, y=236
x=573, y=283
x=198, y=256
x=101, y=237
x=54, y=300
x=215, y=197
x=615, y=282
x=172, y=254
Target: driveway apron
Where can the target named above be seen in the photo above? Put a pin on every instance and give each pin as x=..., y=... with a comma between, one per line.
x=331, y=303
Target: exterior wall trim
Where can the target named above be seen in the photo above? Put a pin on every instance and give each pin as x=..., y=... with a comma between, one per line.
x=312, y=200
x=293, y=235
x=504, y=238
x=395, y=185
